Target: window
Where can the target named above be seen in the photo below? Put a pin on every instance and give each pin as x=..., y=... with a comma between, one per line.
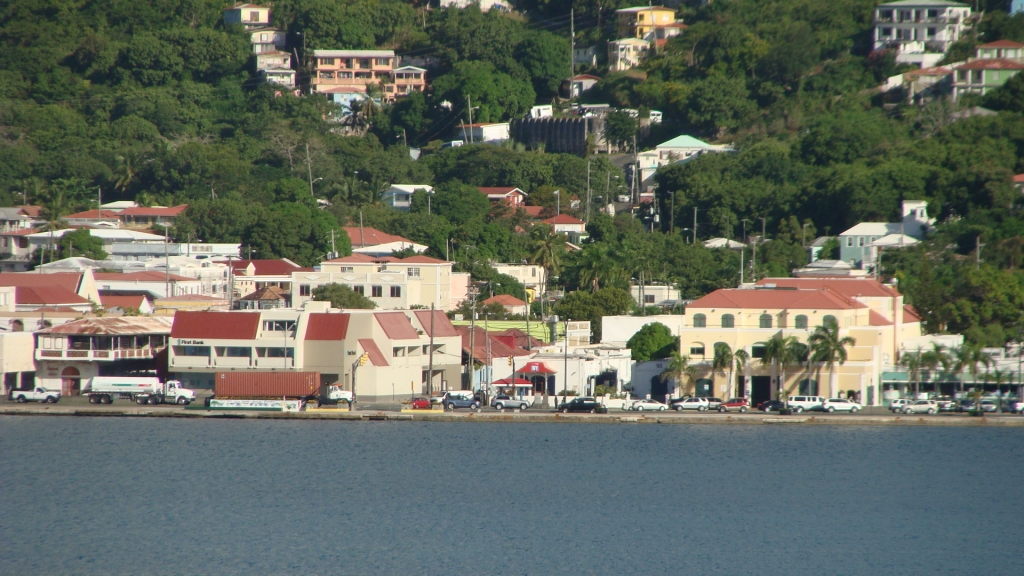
x=398, y=351
x=192, y=351
x=376, y=291
x=696, y=349
x=931, y=32
x=254, y=16
x=860, y=241
x=728, y=321
x=364, y=63
x=648, y=298
x=304, y=290
x=828, y=320
x=382, y=61
x=233, y=351
x=278, y=325
x=887, y=32
x=700, y=321
x=766, y=320
x=327, y=61
x=359, y=290
x=275, y=352
x=849, y=241
x=801, y=322
x=757, y=351
x=396, y=291
x=933, y=14
x=533, y=272
x=414, y=272
x=885, y=14
x=348, y=269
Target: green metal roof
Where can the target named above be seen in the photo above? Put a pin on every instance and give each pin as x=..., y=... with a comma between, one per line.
x=684, y=141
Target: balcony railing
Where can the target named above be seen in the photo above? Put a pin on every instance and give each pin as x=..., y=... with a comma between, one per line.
x=99, y=354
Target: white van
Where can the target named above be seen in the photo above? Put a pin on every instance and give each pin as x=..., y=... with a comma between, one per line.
x=801, y=403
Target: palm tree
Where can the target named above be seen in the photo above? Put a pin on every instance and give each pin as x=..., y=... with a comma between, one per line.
x=778, y=355
x=798, y=353
x=912, y=361
x=678, y=367
x=828, y=347
x=547, y=248
x=722, y=362
x=54, y=207
x=932, y=359
x=969, y=356
x=742, y=359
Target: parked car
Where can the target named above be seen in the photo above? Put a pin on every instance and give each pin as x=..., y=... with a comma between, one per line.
x=454, y=401
x=899, y=404
x=584, y=404
x=770, y=405
x=840, y=405
x=641, y=405
x=37, y=395
x=965, y=405
x=989, y=406
x=698, y=404
x=1017, y=407
x=714, y=403
x=946, y=405
x=921, y=407
x=739, y=404
x=800, y=403
x=421, y=404
x=502, y=401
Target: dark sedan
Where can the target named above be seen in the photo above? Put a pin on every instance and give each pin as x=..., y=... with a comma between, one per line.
x=584, y=404
x=771, y=405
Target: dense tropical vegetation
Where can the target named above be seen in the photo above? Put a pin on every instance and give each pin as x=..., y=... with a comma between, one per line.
x=157, y=101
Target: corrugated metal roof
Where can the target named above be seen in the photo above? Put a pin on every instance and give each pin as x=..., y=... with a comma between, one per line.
x=114, y=326
x=442, y=325
x=371, y=349
x=396, y=325
x=324, y=326
x=216, y=325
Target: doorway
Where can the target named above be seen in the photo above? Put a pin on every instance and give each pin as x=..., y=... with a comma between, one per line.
x=760, y=389
x=70, y=382
x=659, y=388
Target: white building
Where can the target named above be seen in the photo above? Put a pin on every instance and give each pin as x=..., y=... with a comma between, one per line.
x=859, y=245
x=655, y=295
x=496, y=133
x=399, y=196
x=531, y=276
x=920, y=30
x=626, y=53
x=249, y=15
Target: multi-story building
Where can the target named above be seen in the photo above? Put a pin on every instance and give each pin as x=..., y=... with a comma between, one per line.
x=1007, y=49
x=248, y=15
x=626, y=53
x=920, y=30
x=983, y=75
x=533, y=277
x=352, y=71
x=643, y=21
x=399, y=196
x=317, y=338
x=859, y=245
x=369, y=241
x=110, y=346
x=428, y=280
x=510, y=195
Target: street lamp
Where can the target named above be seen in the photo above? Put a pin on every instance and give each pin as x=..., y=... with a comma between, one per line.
x=311, y=182
x=558, y=205
x=694, y=237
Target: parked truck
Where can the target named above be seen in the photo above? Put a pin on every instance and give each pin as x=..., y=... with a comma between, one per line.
x=37, y=395
x=275, y=386
x=142, y=390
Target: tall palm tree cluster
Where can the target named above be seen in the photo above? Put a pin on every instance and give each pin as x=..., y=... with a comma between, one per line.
x=969, y=357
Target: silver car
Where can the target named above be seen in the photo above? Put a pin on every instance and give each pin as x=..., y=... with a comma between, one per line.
x=698, y=404
x=921, y=407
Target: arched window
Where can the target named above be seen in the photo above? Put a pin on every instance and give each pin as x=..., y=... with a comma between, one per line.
x=17, y=326
x=766, y=320
x=728, y=321
x=801, y=322
x=697, y=349
x=700, y=321
x=829, y=319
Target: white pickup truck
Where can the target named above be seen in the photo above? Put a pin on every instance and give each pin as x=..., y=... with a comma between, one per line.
x=37, y=395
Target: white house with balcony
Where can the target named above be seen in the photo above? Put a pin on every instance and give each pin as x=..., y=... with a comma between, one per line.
x=920, y=31
x=399, y=196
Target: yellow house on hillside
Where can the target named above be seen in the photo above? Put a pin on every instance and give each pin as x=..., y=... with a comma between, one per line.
x=640, y=21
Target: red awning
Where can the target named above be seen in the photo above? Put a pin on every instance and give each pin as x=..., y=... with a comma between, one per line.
x=509, y=382
x=534, y=368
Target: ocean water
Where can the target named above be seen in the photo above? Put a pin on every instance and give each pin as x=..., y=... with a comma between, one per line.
x=168, y=496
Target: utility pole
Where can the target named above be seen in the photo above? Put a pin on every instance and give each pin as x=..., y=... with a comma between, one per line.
x=362, y=242
x=588, y=192
x=309, y=170
x=565, y=374
x=672, y=215
x=469, y=106
x=744, y=249
x=977, y=252
x=167, y=268
x=430, y=362
x=472, y=337
x=636, y=172
x=334, y=247
x=231, y=284
x=694, y=224
x=572, y=51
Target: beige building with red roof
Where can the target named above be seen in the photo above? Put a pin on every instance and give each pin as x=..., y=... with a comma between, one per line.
x=874, y=314
x=511, y=304
x=369, y=241
x=320, y=339
x=389, y=281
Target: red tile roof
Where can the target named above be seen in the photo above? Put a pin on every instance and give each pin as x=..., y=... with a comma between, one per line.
x=68, y=280
x=442, y=325
x=162, y=211
x=21, y=232
x=910, y=315
x=371, y=349
x=519, y=338
x=991, y=64
x=496, y=348
x=776, y=299
x=849, y=287
x=535, y=368
x=216, y=325
x=499, y=190
x=47, y=296
x=272, y=293
x=33, y=211
x=148, y=276
x=563, y=219
x=1018, y=178
x=279, y=267
x=327, y=326
x=876, y=319
x=93, y=215
x=364, y=259
x=396, y=325
x=371, y=236
x=122, y=302
x=1002, y=44
x=505, y=300
x=509, y=382
x=533, y=211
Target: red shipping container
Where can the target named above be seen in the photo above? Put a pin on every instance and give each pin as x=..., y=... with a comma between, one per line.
x=267, y=384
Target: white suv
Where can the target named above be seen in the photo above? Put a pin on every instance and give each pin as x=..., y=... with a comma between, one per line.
x=698, y=404
x=801, y=403
x=841, y=405
x=899, y=404
x=921, y=406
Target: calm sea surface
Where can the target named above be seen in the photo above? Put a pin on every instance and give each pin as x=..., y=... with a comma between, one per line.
x=165, y=496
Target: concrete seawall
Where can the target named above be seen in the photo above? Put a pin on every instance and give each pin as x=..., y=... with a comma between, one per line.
x=1006, y=420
